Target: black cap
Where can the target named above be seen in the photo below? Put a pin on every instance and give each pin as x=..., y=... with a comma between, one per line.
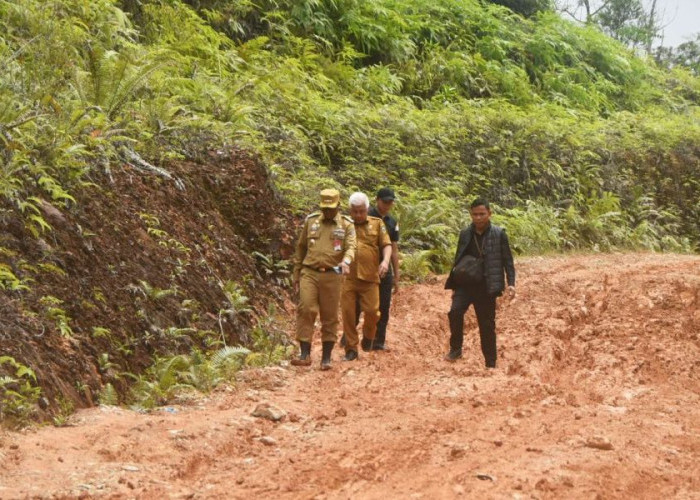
x=386, y=194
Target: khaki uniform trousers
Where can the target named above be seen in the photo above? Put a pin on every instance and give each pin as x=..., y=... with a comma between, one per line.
x=368, y=294
x=319, y=292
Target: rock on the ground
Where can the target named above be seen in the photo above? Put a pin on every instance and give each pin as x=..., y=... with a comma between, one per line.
x=599, y=443
x=270, y=412
x=268, y=441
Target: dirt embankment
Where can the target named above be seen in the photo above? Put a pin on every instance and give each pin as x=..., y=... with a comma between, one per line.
x=135, y=269
x=596, y=395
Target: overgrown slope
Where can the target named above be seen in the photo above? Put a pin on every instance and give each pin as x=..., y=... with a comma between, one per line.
x=134, y=273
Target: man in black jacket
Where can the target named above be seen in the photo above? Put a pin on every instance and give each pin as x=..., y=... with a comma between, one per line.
x=480, y=239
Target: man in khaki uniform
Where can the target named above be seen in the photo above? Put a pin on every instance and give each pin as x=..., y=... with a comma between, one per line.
x=362, y=283
x=324, y=253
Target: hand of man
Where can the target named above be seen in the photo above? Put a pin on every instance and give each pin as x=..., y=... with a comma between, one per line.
x=296, y=288
x=396, y=284
x=383, y=269
x=511, y=292
x=345, y=268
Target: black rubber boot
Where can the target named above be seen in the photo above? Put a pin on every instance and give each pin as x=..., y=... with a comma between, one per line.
x=326, y=358
x=366, y=344
x=304, y=358
x=350, y=355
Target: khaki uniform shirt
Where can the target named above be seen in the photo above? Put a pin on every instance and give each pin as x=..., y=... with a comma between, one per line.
x=372, y=237
x=323, y=244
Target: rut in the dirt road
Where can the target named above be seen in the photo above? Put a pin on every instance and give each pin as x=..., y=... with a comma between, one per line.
x=596, y=395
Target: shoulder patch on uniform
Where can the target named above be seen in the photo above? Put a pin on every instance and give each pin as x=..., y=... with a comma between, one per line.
x=315, y=214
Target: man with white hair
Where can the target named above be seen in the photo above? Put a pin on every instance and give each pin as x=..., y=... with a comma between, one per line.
x=362, y=282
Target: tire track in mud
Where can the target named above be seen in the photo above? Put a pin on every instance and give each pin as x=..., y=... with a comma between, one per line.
x=596, y=395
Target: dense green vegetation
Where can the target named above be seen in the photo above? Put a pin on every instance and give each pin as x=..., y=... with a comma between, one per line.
x=583, y=144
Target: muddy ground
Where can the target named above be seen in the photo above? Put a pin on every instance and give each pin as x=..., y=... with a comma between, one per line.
x=596, y=395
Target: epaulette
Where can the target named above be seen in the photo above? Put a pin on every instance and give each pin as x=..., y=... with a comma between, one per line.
x=315, y=214
x=370, y=217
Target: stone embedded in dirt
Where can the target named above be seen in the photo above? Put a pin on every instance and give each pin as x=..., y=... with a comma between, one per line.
x=341, y=412
x=522, y=413
x=266, y=410
x=544, y=485
x=268, y=441
x=485, y=477
x=498, y=442
x=293, y=417
x=457, y=452
x=130, y=468
x=458, y=489
x=52, y=213
x=599, y=443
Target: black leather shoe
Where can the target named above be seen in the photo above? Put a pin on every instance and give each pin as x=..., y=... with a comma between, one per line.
x=366, y=345
x=351, y=355
x=379, y=347
x=453, y=356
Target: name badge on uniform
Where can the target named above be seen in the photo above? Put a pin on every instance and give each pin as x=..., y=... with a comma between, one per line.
x=338, y=236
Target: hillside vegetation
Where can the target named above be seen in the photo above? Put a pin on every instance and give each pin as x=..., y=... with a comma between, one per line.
x=578, y=142
x=443, y=99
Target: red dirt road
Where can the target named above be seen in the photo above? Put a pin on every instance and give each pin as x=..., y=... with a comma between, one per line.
x=596, y=396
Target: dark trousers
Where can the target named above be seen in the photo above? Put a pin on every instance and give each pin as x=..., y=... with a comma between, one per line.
x=485, y=308
x=385, y=288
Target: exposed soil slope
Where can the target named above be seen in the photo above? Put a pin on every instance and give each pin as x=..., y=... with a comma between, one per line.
x=597, y=394
x=134, y=260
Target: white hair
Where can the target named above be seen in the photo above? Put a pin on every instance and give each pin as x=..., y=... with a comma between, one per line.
x=358, y=199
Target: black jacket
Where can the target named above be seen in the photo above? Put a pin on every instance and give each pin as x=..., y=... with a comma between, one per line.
x=497, y=258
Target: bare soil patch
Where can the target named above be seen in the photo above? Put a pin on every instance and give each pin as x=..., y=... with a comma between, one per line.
x=596, y=396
